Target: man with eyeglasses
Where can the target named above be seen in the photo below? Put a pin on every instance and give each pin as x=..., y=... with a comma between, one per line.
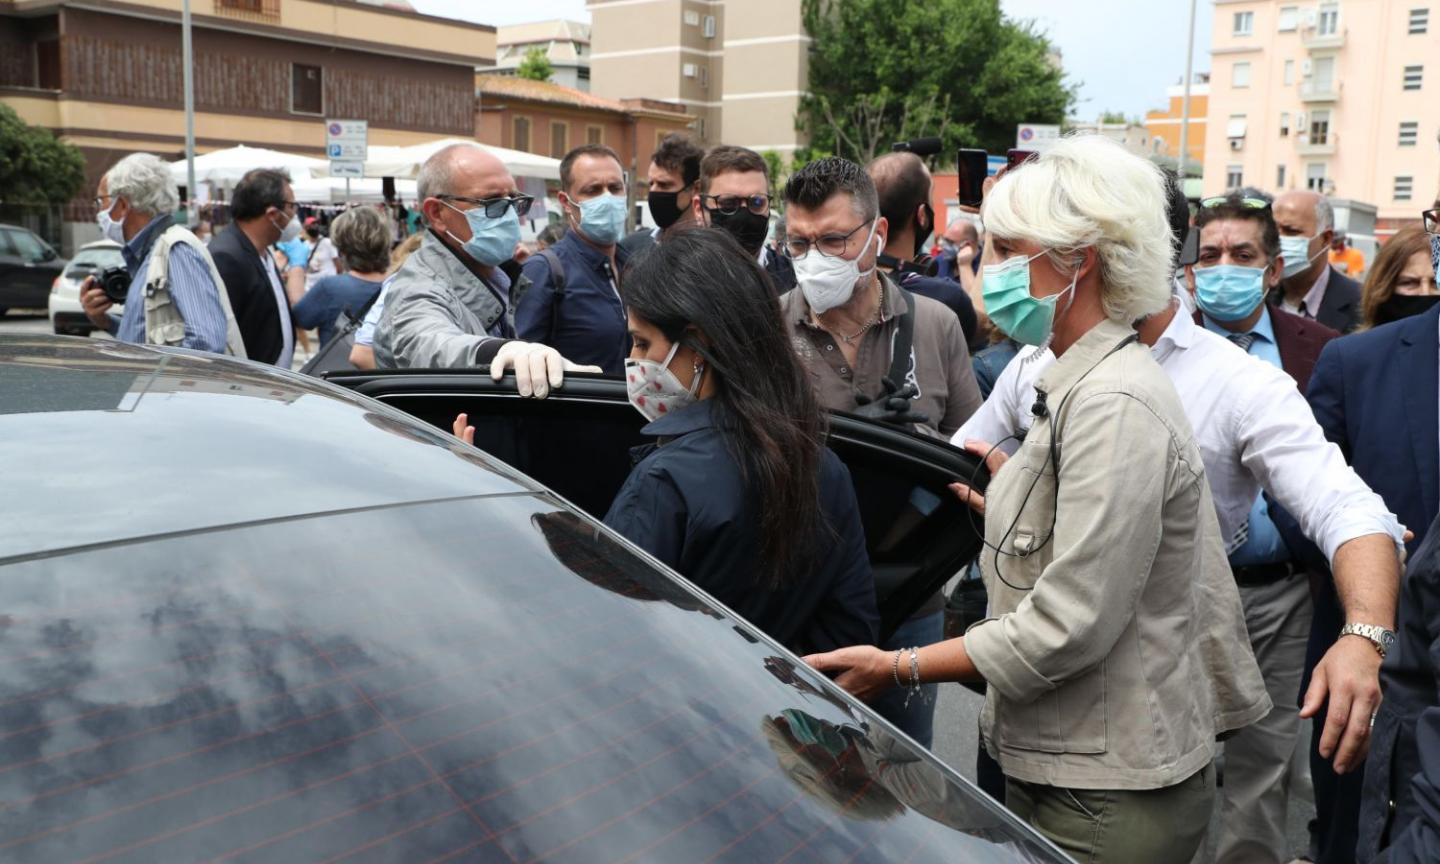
x=848, y=322
x=450, y=305
x=573, y=303
x=1310, y=286
x=735, y=197
x=265, y=216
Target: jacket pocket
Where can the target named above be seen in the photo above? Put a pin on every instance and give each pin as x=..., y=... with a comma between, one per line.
x=1069, y=719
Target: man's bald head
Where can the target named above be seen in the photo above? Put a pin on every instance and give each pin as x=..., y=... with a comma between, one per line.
x=902, y=184
x=460, y=166
x=1303, y=209
x=963, y=231
x=1302, y=213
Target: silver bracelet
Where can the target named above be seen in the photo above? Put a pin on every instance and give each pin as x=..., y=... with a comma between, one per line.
x=914, y=677
x=895, y=668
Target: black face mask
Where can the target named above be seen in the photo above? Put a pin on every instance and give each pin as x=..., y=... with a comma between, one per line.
x=922, y=231
x=665, y=207
x=1404, y=306
x=748, y=228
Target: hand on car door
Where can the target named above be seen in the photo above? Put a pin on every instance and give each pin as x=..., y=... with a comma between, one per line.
x=994, y=457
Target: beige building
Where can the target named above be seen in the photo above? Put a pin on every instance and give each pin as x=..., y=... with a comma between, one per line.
x=740, y=66
x=566, y=44
x=1338, y=96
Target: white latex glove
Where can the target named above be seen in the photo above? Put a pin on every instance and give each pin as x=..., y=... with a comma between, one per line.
x=537, y=367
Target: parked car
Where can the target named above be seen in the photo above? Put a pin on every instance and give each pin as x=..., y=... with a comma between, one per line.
x=27, y=267
x=297, y=624
x=66, y=314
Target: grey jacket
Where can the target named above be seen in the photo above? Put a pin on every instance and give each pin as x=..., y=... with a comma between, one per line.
x=438, y=314
x=1117, y=649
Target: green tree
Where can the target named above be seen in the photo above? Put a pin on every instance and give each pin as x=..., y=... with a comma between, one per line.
x=775, y=167
x=883, y=71
x=535, y=66
x=1109, y=117
x=35, y=166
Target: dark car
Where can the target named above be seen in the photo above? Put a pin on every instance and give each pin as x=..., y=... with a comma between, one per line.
x=28, y=266
x=257, y=618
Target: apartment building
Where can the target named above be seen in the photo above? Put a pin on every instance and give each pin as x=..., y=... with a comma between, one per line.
x=566, y=44
x=107, y=77
x=1339, y=96
x=1164, y=124
x=740, y=66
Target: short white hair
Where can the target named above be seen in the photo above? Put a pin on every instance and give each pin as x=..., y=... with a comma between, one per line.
x=1088, y=191
x=143, y=179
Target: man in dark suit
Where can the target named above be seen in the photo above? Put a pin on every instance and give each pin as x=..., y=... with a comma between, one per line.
x=1375, y=394
x=1310, y=287
x=264, y=214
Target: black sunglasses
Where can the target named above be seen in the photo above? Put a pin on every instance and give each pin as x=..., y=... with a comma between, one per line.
x=729, y=205
x=494, y=207
x=1432, y=221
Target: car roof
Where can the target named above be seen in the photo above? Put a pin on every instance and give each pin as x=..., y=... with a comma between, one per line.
x=100, y=244
x=90, y=428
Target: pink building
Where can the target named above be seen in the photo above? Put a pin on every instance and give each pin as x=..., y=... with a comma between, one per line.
x=1341, y=96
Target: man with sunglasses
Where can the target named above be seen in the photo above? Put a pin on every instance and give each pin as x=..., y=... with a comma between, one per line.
x=735, y=197
x=673, y=176
x=450, y=304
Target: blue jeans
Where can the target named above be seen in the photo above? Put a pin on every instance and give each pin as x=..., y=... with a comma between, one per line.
x=918, y=720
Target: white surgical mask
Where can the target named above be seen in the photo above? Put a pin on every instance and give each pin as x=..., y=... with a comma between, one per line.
x=654, y=390
x=829, y=281
x=109, y=228
x=291, y=229
x=1296, y=252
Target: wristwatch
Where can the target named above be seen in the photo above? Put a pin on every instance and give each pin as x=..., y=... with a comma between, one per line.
x=1381, y=638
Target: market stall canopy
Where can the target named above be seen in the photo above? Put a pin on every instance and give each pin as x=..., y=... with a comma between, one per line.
x=224, y=168
x=405, y=162
x=332, y=190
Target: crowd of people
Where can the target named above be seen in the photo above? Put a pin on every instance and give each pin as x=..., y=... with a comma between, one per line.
x=1208, y=509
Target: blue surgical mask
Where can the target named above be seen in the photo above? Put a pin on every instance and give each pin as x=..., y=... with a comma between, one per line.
x=491, y=240
x=1296, y=251
x=602, y=219
x=1229, y=292
x=1008, y=302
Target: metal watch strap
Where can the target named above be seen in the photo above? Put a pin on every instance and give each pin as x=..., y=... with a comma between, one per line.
x=1376, y=634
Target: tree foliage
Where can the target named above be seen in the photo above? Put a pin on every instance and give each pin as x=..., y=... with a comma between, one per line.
x=883, y=71
x=535, y=66
x=35, y=166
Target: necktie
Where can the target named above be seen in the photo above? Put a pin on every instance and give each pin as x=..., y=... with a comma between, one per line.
x=1244, y=340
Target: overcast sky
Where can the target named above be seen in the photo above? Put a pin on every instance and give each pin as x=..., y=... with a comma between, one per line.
x=1123, y=56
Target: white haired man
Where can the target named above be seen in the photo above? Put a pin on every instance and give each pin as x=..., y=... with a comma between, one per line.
x=176, y=296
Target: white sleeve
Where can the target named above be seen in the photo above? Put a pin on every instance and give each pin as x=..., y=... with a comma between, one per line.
x=1283, y=446
x=1002, y=416
x=365, y=334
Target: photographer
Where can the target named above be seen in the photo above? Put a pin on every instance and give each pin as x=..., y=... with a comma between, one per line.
x=172, y=293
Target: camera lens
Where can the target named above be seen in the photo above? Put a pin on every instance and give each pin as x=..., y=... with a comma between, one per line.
x=115, y=282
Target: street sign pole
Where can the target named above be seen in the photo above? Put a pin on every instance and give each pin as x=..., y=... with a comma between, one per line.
x=192, y=218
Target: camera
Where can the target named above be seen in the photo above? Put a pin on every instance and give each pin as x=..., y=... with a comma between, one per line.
x=115, y=282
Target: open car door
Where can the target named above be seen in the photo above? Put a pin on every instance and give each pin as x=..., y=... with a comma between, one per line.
x=577, y=442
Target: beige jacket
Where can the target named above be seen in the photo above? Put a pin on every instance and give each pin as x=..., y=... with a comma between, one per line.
x=1116, y=650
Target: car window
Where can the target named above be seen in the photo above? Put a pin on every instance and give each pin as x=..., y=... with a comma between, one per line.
x=7, y=246
x=95, y=260
x=27, y=245
x=489, y=678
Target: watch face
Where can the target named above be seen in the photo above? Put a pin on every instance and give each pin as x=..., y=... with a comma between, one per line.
x=1387, y=638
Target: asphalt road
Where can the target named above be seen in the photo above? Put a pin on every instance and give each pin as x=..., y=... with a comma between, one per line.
x=957, y=709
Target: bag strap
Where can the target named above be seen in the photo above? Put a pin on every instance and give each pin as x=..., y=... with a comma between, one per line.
x=904, y=340
x=557, y=287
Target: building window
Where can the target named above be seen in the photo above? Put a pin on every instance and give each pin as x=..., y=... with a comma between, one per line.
x=1413, y=77
x=1289, y=19
x=1235, y=130
x=692, y=18
x=520, y=140
x=1319, y=127
x=1240, y=74
x=559, y=139
x=1289, y=72
x=1409, y=134
x=1234, y=174
x=1404, y=188
x=1279, y=177
x=1419, y=21
x=583, y=73
x=257, y=10
x=1244, y=23
x=700, y=128
x=594, y=134
x=709, y=29
x=1315, y=177
x=307, y=93
x=1284, y=124
x=1329, y=23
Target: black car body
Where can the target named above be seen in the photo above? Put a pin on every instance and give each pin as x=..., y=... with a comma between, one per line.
x=27, y=268
x=257, y=618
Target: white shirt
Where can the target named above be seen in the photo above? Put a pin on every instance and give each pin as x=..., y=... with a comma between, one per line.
x=1252, y=426
x=287, y=330
x=1309, y=305
x=365, y=334
x=322, y=262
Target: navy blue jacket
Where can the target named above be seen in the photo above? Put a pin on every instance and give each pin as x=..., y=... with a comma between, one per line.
x=1404, y=762
x=587, y=325
x=687, y=504
x=989, y=362
x=321, y=306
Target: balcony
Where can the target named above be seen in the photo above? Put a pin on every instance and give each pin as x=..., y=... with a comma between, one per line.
x=1314, y=40
x=1312, y=145
x=1319, y=92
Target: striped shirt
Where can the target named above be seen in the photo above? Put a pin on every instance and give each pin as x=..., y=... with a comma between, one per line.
x=195, y=293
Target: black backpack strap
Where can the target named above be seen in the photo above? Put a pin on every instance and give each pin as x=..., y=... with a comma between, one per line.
x=904, y=341
x=557, y=288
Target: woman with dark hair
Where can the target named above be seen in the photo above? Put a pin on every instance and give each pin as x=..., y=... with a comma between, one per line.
x=739, y=494
x=1401, y=281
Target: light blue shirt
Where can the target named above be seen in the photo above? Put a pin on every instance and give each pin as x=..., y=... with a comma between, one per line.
x=192, y=289
x=1264, y=545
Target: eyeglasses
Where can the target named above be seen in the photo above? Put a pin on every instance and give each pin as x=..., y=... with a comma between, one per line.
x=494, y=207
x=729, y=205
x=1432, y=221
x=1246, y=203
x=830, y=245
x=99, y=198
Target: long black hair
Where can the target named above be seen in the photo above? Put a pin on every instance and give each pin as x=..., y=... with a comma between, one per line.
x=765, y=405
